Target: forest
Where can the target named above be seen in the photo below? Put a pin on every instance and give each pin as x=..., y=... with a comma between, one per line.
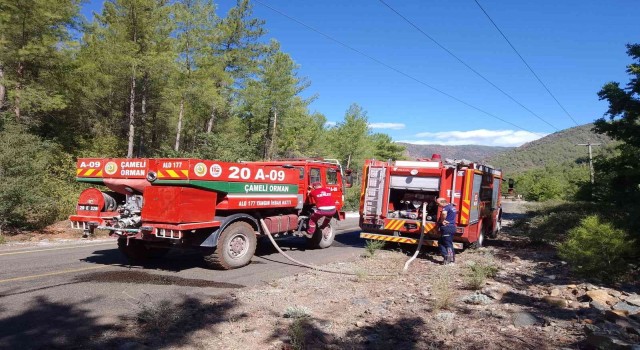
x=150, y=78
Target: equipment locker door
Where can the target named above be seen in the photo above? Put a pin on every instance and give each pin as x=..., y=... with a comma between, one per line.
x=374, y=191
x=474, y=210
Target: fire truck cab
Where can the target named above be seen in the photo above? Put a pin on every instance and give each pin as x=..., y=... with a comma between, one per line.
x=151, y=205
x=394, y=195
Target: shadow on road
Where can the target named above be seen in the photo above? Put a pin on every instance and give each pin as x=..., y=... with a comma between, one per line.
x=179, y=260
x=54, y=325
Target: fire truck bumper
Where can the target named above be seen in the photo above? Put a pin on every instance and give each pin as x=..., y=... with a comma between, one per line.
x=397, y=239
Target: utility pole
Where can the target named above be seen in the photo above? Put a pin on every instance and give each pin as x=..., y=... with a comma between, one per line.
x=589, y=144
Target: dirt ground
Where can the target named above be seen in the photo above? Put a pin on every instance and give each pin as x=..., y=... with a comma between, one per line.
x=505, y=295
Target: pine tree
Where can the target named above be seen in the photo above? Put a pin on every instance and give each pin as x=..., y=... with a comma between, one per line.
x=34, y=38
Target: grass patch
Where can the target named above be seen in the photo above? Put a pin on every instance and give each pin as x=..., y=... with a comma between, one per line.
x=361, y=275
x=442, y=292
x=372, y=246
x=478, y=273
x=160, y=317
x=297, y=334
x=297, y=312
x=2, y=239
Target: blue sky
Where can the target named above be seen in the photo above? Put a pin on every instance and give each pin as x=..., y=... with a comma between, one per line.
x=575, y=46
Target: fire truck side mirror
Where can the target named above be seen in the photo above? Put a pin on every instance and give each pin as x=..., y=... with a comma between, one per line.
x=348, y=178
x=511, y=183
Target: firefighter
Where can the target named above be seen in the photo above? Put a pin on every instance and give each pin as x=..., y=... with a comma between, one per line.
x=447, y=224
x=324, y=207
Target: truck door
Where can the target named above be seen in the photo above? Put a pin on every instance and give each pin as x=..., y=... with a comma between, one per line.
x=331, y=181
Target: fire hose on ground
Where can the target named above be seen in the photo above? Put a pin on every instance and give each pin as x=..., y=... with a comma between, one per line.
x=317, y=268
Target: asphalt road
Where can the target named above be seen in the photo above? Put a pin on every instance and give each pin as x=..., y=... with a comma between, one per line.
x=49, y=295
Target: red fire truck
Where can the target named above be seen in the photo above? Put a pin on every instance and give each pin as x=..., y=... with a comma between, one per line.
x=393, y=194
x=152, y=205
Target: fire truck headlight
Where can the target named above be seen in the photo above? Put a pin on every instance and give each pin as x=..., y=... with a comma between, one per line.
x=152, y=176
x=414, y=172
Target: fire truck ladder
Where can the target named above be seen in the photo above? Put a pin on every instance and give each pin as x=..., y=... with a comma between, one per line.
x=374, y=191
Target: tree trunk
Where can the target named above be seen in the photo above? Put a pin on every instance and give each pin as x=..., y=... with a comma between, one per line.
x=212, y=119
x=132, y=116
x=143, y=115
x=273, y=133
x=16, y=107
x=3, y=90
x=180, y=115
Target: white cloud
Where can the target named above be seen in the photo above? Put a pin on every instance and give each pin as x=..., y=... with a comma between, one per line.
x=391, y=126
x=330, y=124
x=510, y=138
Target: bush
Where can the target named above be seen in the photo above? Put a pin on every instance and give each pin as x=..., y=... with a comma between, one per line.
x=550, y=222
x=478, y=274
x=597, y=249
x=36, y=181
x=371, y=246
x=352, y=198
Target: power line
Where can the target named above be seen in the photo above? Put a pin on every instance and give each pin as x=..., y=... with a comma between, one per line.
x=525, y=63
x=465, y=64
x=390, y=67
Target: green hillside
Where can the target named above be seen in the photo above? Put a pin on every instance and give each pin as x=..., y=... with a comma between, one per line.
x=553, y=150
x=470, y=152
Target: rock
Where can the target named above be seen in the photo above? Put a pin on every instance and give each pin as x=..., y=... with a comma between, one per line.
x=551, y=277
x=555, y=301
x=495, y=291
x=600, y=306
x=360, y=301
x=572, y=286
x=445, y=316
x=555, y=292
x=600, y=296
x=615, y=293
x=590, y=286
x=360, y=324
x=477, y=299
x=626, y=307
x=621, y=320
x=456, y=332
x=602, y=341
x=575, y=304
x=524, y=319
x=615, y=314
x=633, y=299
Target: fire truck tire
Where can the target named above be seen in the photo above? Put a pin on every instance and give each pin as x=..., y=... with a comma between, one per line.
x=137, y=251
x=236, y=246
x=480, y=242
x=497, y=229
x=324, y=239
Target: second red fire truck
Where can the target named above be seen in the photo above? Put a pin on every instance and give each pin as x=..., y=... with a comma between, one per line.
x=393, y=194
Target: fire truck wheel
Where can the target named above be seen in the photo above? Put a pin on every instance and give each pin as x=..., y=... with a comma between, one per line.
x=137, y=251
x=324, y=239
x=236, y=246
x=497, y=229
x=480, y=242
